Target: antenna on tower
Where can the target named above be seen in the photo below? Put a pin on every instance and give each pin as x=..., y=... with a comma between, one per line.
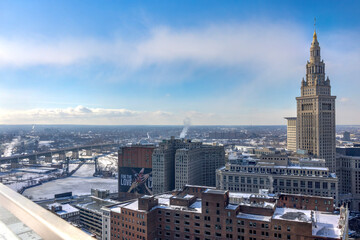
x=314, y=24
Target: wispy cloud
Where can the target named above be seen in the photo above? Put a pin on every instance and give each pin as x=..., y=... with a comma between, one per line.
x=274, y=50
x=217, y=45
x=271, y=54
x=80, y=115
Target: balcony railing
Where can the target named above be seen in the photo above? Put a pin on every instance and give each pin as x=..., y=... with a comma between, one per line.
x=43, y=222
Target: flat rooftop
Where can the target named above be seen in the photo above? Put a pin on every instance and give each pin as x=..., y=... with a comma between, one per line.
x=213, y=191
x=323, y=224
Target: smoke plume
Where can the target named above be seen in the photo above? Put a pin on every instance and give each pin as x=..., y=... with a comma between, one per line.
x=187, y=124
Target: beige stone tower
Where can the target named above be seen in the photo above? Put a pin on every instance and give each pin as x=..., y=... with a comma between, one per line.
x=316, y=110
x=291, y=133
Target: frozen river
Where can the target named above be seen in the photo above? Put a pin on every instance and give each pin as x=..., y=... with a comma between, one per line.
x=80, y=183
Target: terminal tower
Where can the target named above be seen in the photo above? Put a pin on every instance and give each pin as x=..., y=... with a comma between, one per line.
x=315, y=122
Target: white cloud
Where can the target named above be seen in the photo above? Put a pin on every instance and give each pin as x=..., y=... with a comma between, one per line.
x=255, y=45
x=269, y=53
x=103, y=116
x=67, y=115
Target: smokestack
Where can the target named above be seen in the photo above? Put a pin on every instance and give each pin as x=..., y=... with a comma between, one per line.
x=187, y=123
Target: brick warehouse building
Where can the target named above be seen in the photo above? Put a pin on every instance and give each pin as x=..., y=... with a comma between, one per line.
x=137, y=156
x=206, y=213
x=135, y=171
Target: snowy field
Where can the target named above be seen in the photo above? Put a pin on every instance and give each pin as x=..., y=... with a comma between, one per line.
x=79, y=184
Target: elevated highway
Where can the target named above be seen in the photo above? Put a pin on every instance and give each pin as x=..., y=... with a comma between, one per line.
x=14, y=160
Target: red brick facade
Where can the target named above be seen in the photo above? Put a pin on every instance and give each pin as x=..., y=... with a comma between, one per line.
x=297, y=201
x=137, y=156
x=212, y=217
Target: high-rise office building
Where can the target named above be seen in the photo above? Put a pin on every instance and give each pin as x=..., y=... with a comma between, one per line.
x=291, y=134
x=348, y=172
x=177, y=162
x=315, y=122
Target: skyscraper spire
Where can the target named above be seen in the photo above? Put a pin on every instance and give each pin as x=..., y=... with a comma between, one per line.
x=315, y=123
x=315, y=36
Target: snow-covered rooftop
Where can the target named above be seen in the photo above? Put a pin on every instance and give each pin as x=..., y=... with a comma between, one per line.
x=66, y=208
x=163, y=202
x=232, y=206
x=323, y=224
x=254, y=217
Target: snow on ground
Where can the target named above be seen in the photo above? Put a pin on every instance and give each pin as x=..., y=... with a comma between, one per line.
x=9, y=147
x=79, y=184
x=72, y=166
x=31, y=179
x=45, y=143
x=108, y=162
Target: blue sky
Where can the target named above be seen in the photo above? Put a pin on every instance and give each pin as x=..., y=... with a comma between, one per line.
x=159, y=62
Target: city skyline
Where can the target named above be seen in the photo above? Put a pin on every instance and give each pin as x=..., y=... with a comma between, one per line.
x=152, y=63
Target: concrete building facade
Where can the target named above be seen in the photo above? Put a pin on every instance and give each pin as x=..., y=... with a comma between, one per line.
x=348, y=172
x=291, y=134
x=177, y=162
x=316, y=111
x=278, y=178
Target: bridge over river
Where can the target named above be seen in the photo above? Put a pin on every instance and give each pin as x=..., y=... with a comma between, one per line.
x=14, y=160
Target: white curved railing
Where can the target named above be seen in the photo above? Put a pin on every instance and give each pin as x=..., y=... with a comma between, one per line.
x=43, y=222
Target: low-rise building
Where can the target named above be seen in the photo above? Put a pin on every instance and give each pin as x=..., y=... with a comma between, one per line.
x=182, y=215
x=251, y=175
x=66, y=212
x=91, y=213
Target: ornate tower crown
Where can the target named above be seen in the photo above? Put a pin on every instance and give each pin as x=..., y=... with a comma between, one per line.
x=315, y=50
x=315, y=81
